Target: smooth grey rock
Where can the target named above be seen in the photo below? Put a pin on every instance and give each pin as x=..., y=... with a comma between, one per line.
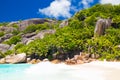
x=24, y=40
x=29, y=35
x=41, y=34
x=101, y=25
x=25, y=23
x=12, y=47
x=5, y=37
x=7, y=29
x=4, y=47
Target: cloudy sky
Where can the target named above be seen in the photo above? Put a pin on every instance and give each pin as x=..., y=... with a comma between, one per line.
x=13, y=10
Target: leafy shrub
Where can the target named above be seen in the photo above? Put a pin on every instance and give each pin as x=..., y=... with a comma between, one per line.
x=2, y=55
x=13, y=40
x=9, y=52
x=29, y=29
x=2, y=34
x=33, y=28
x=15, y=26
x=15, y=32
x=3, y=24
x=19, y=45
x=76, y=24
x=90, y=21
x=67, y=39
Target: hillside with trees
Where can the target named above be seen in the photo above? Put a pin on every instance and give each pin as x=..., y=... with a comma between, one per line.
x=47, y=39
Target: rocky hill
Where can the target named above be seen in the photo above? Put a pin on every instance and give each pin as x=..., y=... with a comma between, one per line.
x=93, y=33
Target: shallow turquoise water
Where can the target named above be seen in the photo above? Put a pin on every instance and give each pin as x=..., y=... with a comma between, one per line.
x=12, y=71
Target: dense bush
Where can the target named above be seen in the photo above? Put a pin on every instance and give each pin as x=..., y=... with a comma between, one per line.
x=2, y=34
x=39, y=27
x=15, y=32
x=19, y=45
x=3, y=24
x=13, y=40
x=64, y=40
x=15, y=26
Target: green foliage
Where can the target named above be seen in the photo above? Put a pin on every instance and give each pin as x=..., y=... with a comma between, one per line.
x=38, y=27
x=90, y=21
x=2, y=34
x=37, y=46
x=3, y=24
x=29, y=29
x=81, y=16
x=13, y=40
x=105, y=45
x=76, y=24
x=78, y=35
x=9, y=52
x=2, y=54
x=19, y=45
x=15, y=26
x=15, y=32
x=63, y=41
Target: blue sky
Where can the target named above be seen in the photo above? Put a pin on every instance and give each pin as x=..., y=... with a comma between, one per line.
x=14, y=10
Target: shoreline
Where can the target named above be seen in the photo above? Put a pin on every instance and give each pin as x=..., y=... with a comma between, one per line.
x=95, y=70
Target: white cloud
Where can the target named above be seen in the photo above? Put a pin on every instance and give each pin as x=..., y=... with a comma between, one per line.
x=74, y=8
x=114, y=2
x=86, y=3
x=58, y=8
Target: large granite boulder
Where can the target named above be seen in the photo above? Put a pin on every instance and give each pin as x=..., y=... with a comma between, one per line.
x=34, y=61
x=26, y=39
x=4, y=47
x=25, y=23
x=7, y=29
x=2, y=61
x=41, y=34
x=5, y=37
x=19, y=58
x=101, y=25
x=29, y=35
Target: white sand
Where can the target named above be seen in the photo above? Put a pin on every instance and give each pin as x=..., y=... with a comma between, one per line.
x=96, y=70
x=99, y=70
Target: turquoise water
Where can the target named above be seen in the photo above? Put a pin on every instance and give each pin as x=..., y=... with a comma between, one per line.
x=13, y=71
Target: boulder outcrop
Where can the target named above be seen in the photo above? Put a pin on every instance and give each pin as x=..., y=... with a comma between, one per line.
x=5, y=37
x=2, y=61
x=7, y=29
x=80, y=59
x=19, y=58
x=30, y=37
x=41, y=34
x=101, y=25
x=4, y=47
x=25, y=23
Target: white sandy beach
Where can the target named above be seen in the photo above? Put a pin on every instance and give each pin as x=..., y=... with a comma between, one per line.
x=96, y=70
x=99, y=70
